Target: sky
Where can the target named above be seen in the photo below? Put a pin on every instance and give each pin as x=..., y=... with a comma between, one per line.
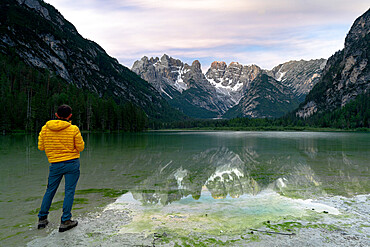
x=262, y=32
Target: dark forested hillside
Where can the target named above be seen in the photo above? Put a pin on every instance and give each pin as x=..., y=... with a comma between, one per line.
x=29, y=97
x=354, y=115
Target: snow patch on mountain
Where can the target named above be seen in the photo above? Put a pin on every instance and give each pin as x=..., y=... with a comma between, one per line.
x=227, y=88
x=179, y=84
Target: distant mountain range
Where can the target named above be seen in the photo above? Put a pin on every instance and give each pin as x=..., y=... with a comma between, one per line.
x=230, y=90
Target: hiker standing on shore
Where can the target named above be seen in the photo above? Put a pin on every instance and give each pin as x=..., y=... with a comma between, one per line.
x=62, y=143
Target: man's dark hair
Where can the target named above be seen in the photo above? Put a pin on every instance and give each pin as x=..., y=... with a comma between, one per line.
x=64, y=111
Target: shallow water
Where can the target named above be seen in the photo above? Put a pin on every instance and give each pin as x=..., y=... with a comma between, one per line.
x=178, y=173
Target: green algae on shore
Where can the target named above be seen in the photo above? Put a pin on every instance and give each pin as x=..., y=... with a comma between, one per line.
x=220, y=217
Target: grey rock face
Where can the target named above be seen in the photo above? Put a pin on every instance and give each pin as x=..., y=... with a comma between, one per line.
x=300, y=76
x=233, y=80
x=162, y=73
x=34, y=4
x=359, y=30
x=346, y=74
x=307, y=110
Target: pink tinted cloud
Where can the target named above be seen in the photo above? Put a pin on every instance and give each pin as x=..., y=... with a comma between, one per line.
x=287, y=29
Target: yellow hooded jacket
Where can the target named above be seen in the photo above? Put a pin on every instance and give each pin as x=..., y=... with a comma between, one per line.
x=61, y=141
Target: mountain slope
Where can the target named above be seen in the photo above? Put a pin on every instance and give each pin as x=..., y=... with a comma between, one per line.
x=266, y=97
x=300, y=76
x=346, y=74
x=40, y=35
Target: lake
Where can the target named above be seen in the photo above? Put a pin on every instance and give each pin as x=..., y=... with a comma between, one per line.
x=190, y=182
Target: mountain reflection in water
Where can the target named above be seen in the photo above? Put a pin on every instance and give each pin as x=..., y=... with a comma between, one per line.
x=160, y=168
x=222, y=173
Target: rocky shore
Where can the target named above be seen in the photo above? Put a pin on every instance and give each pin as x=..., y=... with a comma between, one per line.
x=125, y=223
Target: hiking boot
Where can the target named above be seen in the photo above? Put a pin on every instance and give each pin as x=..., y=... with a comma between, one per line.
x=66, y=225
x=43, y=221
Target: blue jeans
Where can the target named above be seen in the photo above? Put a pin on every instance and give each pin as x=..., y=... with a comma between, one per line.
x=70, y=169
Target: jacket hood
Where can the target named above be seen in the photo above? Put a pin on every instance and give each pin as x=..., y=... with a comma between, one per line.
x=57, y=125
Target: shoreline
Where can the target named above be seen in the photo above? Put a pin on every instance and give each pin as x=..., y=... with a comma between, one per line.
x=263, y=129
x=112, y=226
x=252, y=129
x=258, y=130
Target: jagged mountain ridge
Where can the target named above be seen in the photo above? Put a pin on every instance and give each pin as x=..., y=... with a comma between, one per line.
x=232, y=80
x=299, y=76
x=346, y=74
x=184, y=86
x=225, y=86
x=43, y=39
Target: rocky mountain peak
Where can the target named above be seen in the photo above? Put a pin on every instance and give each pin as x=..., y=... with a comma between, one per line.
x=165, y=60
x=218, y=65
x=235, y=64
x=49, y=13
x=216, y=71
x=359, y=29
x=196, y=66
x=233, y=77
x=154, y=60
x=34, y=4
x=165, y=57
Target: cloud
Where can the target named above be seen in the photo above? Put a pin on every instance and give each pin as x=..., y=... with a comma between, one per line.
x=248, y=31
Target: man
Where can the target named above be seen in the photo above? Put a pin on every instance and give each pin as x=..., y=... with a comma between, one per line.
x=62, y=143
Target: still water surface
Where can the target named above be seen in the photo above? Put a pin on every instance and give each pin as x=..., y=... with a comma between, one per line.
x=161, y=168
